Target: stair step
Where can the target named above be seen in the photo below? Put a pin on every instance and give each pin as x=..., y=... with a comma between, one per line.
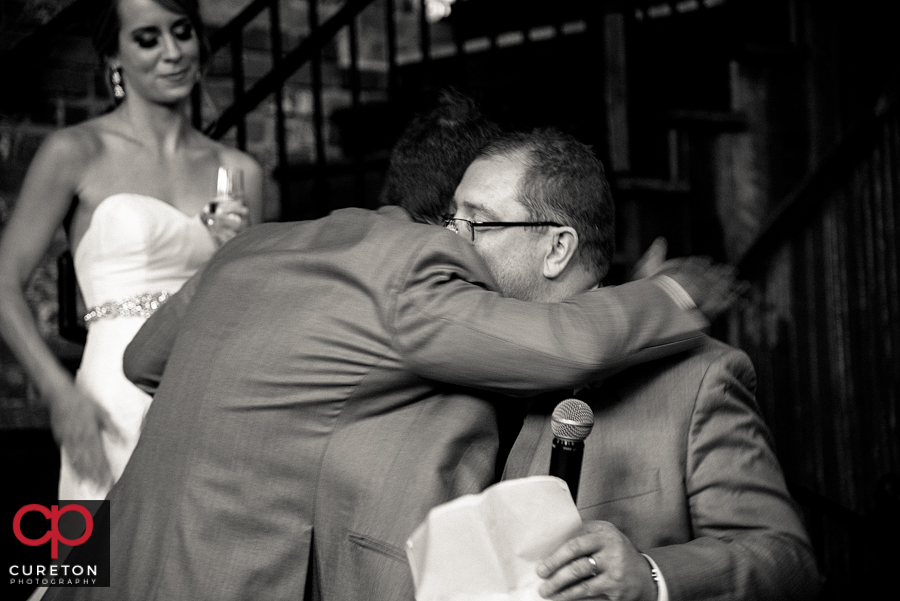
x=487, y=18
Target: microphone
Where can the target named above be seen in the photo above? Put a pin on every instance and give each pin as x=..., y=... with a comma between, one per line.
x=571, y=422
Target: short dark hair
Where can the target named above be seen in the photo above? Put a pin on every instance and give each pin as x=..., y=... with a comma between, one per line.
x=108, y=25
x=429, y=160
x=564, y=182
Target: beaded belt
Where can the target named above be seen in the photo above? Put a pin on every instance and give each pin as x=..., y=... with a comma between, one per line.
x=140, y=305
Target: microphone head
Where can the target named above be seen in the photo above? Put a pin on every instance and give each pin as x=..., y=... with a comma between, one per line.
x=572, y=420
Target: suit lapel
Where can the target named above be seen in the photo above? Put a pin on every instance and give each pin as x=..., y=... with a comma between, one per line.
x=530, y=455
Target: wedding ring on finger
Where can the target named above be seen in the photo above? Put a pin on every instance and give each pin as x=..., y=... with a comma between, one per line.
x=595, y=569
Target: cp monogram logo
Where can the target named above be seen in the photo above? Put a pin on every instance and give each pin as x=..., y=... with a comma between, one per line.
x=53, y=534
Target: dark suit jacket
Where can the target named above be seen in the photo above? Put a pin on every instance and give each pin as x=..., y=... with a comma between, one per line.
x=299, y=406
x=681, y=462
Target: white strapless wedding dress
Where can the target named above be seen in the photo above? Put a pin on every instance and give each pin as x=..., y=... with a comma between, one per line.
x=136, y=247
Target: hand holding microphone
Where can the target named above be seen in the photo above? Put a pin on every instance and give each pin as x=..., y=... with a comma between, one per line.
x=571, y=422
x=600, y=561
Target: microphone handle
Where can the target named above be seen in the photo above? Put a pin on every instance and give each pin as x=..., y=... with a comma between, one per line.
x=565, y=462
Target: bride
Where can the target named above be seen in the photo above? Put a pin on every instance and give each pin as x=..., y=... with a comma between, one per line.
x=135, y=182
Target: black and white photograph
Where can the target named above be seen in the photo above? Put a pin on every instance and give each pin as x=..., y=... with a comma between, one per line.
x=449, y=300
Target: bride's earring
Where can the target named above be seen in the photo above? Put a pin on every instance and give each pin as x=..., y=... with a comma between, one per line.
x=115, y=77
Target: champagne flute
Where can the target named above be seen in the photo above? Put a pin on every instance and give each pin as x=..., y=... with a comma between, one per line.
x=219, y=215
x=229, y=186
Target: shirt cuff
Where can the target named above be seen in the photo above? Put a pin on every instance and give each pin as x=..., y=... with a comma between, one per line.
x=662, y=592
x=675, y=292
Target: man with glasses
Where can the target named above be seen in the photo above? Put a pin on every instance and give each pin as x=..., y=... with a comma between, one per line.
x=309, y=405
x=466, y=228
x=683, y=493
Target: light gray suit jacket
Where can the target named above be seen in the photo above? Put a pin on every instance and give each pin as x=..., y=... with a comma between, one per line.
x=299, y=407
x=681, y=462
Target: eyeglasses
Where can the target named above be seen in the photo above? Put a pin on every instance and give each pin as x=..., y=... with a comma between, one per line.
x=466, y=228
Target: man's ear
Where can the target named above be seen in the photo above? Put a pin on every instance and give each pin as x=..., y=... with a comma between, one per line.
x=563, y=244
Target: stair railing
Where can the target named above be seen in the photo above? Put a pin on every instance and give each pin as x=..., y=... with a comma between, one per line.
x=308, y=51
x=284, y=65
x=822, y=327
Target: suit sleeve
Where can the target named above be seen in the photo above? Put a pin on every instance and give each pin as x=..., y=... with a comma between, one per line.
x=450, y=328
x=146, y=355
x=750, y=542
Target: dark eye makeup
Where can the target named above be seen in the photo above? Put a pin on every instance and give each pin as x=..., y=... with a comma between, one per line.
x=148, y=37
x=183, y=30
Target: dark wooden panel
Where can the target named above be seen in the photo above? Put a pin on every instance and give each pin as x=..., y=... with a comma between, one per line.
x=823, y=328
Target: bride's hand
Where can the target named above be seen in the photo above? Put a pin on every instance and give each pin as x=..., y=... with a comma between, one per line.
x=227, y=220
x=77, y=421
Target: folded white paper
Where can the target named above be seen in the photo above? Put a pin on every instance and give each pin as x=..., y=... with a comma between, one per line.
x=486, y=547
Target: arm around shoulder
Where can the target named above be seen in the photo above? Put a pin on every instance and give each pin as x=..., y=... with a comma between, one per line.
x=451, y=327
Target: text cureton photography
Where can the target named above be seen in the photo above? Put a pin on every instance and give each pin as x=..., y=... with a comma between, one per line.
x=61, y=543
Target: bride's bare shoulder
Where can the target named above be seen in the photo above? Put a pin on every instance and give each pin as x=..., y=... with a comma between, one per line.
x=76, y=145
x=88, y=138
